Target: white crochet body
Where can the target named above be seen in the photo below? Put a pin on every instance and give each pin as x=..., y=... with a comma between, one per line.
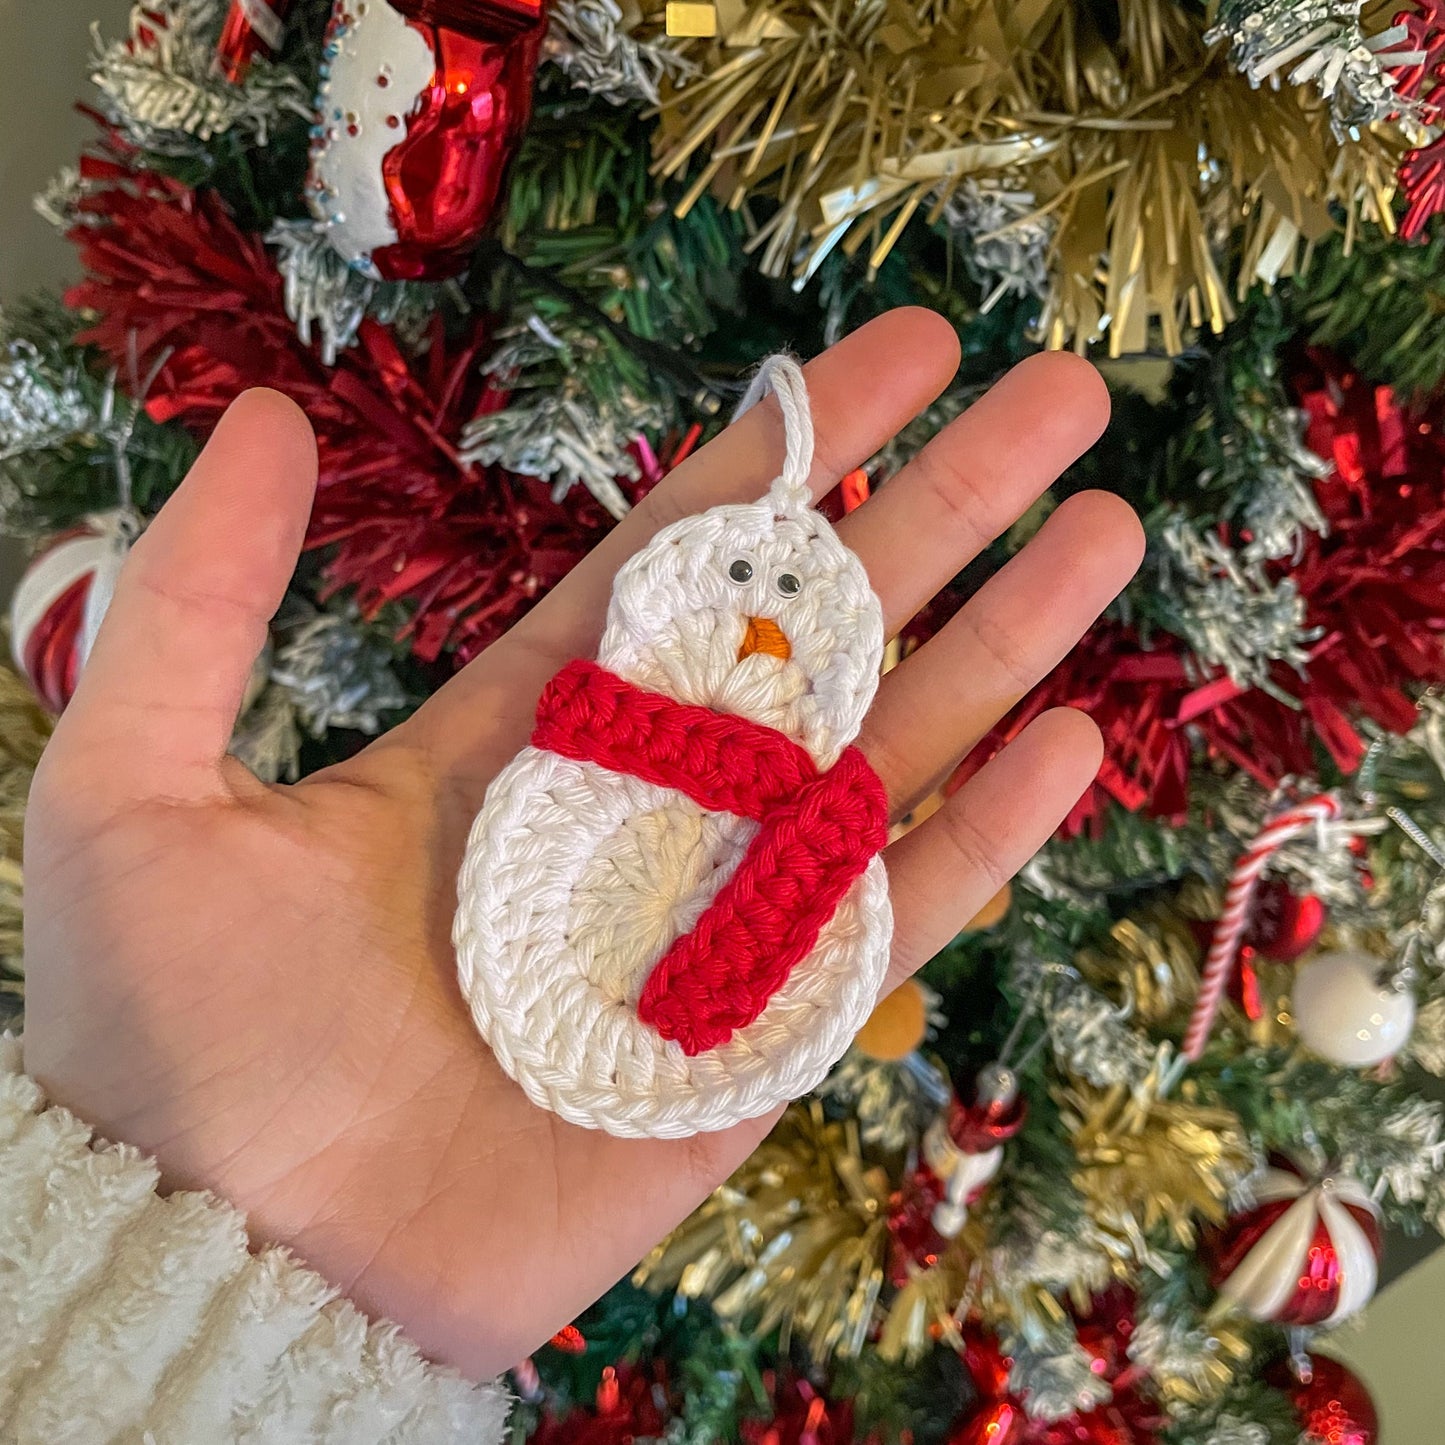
x=577, y=880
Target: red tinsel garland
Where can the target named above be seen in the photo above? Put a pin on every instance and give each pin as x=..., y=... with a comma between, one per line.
x=1105, y=1328
x=633, y=1403
x=170, y=275
x=1422, y=172
x=1374, y=587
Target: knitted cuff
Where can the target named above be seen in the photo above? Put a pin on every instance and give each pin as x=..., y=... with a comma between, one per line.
x=124, y=1315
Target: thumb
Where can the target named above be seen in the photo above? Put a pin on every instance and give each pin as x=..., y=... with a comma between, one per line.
x=158, y=698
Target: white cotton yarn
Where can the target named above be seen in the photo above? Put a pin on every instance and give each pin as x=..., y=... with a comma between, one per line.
x=577, y=879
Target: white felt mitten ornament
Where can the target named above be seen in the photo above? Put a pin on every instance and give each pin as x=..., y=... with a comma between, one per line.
x=673, y=915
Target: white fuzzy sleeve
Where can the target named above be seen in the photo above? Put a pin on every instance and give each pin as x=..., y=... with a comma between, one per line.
x=130, y=1318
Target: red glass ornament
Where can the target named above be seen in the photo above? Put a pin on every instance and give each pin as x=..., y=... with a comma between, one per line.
x=252, y=28
x=1333, y=1405
x=418, y=124
x=1284, y=925
x=445, y=177
x=481, y=19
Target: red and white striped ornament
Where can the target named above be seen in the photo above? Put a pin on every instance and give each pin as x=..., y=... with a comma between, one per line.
x=1307, y=1252
x=1234, y=920
x=62, y=600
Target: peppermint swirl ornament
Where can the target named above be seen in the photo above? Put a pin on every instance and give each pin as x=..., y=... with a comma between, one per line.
x=672, y=913
x=1307, y=1252
x=61, y=601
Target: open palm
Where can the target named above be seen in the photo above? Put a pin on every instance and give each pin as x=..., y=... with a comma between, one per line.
x=257, y=985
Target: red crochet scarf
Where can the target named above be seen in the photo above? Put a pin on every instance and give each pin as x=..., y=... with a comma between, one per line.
x=817, y=833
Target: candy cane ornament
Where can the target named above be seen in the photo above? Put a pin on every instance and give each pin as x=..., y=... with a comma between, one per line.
x=1238, y=898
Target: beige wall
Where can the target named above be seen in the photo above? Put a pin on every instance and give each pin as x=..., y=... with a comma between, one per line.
x=44, y=45
x=43, y=50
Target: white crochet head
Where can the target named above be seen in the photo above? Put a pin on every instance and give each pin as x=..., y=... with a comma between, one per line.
x=756, y=610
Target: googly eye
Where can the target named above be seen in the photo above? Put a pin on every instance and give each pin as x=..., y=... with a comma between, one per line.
x=741, y=570
x=787, y=584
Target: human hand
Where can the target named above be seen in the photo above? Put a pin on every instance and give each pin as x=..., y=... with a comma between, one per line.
x=257, y=984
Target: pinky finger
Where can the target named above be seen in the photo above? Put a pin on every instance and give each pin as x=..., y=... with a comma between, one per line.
x=943, y=872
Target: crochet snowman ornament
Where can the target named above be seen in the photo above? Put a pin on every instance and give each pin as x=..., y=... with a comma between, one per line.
x=673, y=915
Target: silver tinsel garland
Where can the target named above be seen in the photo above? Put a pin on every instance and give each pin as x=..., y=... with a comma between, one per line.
x=1406, y=1156
x=1004, y=243
x=325, y=670
x=1229, y=612
x=1427, y=1042
x=1091, y=1038
x=1231, y=1430
x=1278, y=488
x=1319, y=43
x=325, y=295
x=162, y=89
x=1056, y=1379
x=559, y=428
x=59, y=203
x=336, y=672
x=40, y=407
x=1032, y=1249
x=590, y=42
x=267, y=738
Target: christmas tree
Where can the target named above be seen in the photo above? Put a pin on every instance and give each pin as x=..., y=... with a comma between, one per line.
x=1130, y=1144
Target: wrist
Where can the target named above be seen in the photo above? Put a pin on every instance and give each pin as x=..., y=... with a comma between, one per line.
x=133, y=1313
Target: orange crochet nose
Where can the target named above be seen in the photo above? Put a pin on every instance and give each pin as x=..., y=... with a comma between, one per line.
x=764, y=635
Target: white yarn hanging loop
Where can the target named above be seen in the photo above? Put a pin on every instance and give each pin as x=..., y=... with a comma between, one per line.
x=783, y=377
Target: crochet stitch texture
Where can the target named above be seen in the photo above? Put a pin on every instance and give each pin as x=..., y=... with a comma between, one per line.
x=661, y=935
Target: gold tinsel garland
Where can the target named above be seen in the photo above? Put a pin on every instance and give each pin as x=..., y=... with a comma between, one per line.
x=1171, y=185
x=795, y=1240
x=1146, y=1162
x=24, y=730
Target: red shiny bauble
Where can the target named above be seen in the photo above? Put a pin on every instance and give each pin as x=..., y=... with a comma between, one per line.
x=418, y=123
x=1333, y=1405
x=481, y=19
x=914, y=1242
x=252, y=28
x=445, y=177
x=1284, y=925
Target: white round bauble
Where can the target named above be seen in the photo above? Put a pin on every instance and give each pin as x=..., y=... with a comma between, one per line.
x=1343, y=1012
